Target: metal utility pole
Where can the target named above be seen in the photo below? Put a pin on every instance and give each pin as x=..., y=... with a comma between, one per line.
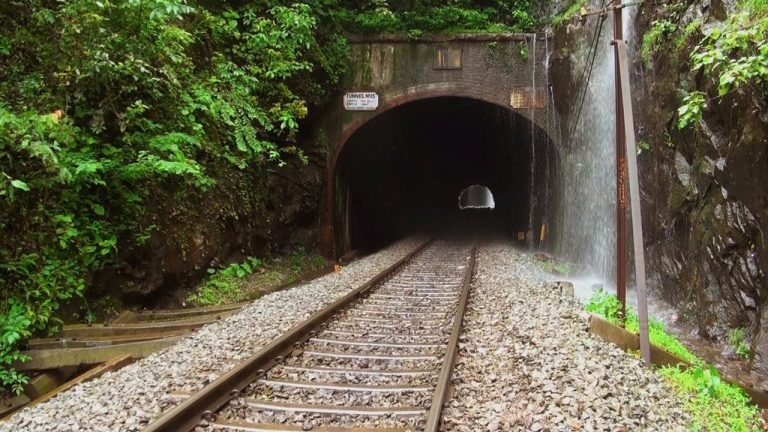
x=621, y=172
x=626, y=155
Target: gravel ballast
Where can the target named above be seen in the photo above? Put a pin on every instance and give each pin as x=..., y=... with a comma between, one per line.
x=527, y=362
x=128, y=399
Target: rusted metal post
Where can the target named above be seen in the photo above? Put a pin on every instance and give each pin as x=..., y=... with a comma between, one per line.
x=634, y=194
x=621, y=173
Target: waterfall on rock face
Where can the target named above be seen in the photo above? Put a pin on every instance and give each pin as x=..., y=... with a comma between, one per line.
x=532, y=208
x=588, y=206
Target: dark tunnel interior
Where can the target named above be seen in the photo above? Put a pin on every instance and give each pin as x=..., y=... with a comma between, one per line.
x=403, y=172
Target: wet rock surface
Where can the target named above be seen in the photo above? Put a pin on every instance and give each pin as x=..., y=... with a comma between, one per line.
x=128, y=399
x=705, y=206
x=527, y=362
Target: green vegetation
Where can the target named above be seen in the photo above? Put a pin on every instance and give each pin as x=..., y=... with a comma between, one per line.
x=248, y=280
x=643, y=146
x=654, y=38
x=222, y=286
x=573, y=8
x=734, y=55
x=417, y=17
x=713, y=404
x=737, y=339
x=119, y=117
x=559, y=268
x=108, y=109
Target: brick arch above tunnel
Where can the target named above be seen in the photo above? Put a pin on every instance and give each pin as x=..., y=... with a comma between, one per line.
x=335, y=190
x=489, y=68
x=396, y=98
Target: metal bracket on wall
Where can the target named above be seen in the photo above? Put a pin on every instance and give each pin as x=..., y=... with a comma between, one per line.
x=447, y=58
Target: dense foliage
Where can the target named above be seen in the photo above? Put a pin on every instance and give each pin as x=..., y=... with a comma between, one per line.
x=103, y=104
x=115, y=111
x=417, y=17
x=733, y=55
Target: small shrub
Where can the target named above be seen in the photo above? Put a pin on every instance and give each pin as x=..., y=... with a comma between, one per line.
x=14, y=327
x=654, y=38
x=737, y=339
x=568, y=13
x=604, y=304
x=222, y=286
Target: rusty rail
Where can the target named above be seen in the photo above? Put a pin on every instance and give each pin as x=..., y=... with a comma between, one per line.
x=213, y=396
x=433, y=417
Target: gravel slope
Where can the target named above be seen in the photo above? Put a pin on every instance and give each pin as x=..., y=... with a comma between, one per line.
x=127, y=399
x=527, y=362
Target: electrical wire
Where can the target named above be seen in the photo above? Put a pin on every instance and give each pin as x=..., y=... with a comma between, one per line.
x=588, y=67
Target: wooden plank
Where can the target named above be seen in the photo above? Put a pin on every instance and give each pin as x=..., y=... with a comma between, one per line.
x=42, y=384
x=125, y=317
x=109, y=366
x=175, y=314
x=107, y=330
x=10, y=406
x=62, y=342
x=630, y=341
x=56, y=358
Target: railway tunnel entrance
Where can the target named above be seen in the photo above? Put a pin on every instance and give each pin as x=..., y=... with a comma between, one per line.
x=403, y=170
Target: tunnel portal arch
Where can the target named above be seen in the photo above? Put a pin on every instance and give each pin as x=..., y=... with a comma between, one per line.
x=401, y=71
x=341, y=198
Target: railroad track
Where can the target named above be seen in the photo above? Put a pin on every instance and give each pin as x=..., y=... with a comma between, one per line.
x=378, y=359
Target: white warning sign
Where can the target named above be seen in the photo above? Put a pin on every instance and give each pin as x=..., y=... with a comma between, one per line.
x=361, y=101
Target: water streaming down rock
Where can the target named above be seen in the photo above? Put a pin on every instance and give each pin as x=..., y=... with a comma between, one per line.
x=588, y=199
x=532, y=194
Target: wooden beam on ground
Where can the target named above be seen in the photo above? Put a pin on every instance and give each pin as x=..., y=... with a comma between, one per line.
x=176, y=314
x=630, y=341
x=125, y=317
x=56, y=358
x=63, y=342
x=135, y=329
x=10, y=406
x=42, y=384
x=109, y=366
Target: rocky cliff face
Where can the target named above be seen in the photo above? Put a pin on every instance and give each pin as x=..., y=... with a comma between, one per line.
x=704, y=188
x=249, y=212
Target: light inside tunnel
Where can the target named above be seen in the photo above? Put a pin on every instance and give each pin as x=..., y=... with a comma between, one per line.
x=401, y=171
x=476, y=197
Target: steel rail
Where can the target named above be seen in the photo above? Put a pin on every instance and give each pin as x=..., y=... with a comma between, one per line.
x=443, y=381
x=212, y=397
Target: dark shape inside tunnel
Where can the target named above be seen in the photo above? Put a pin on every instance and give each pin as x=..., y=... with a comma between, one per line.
x=403, y=170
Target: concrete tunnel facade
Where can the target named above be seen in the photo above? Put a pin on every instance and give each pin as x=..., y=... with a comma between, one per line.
x=449, y=112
